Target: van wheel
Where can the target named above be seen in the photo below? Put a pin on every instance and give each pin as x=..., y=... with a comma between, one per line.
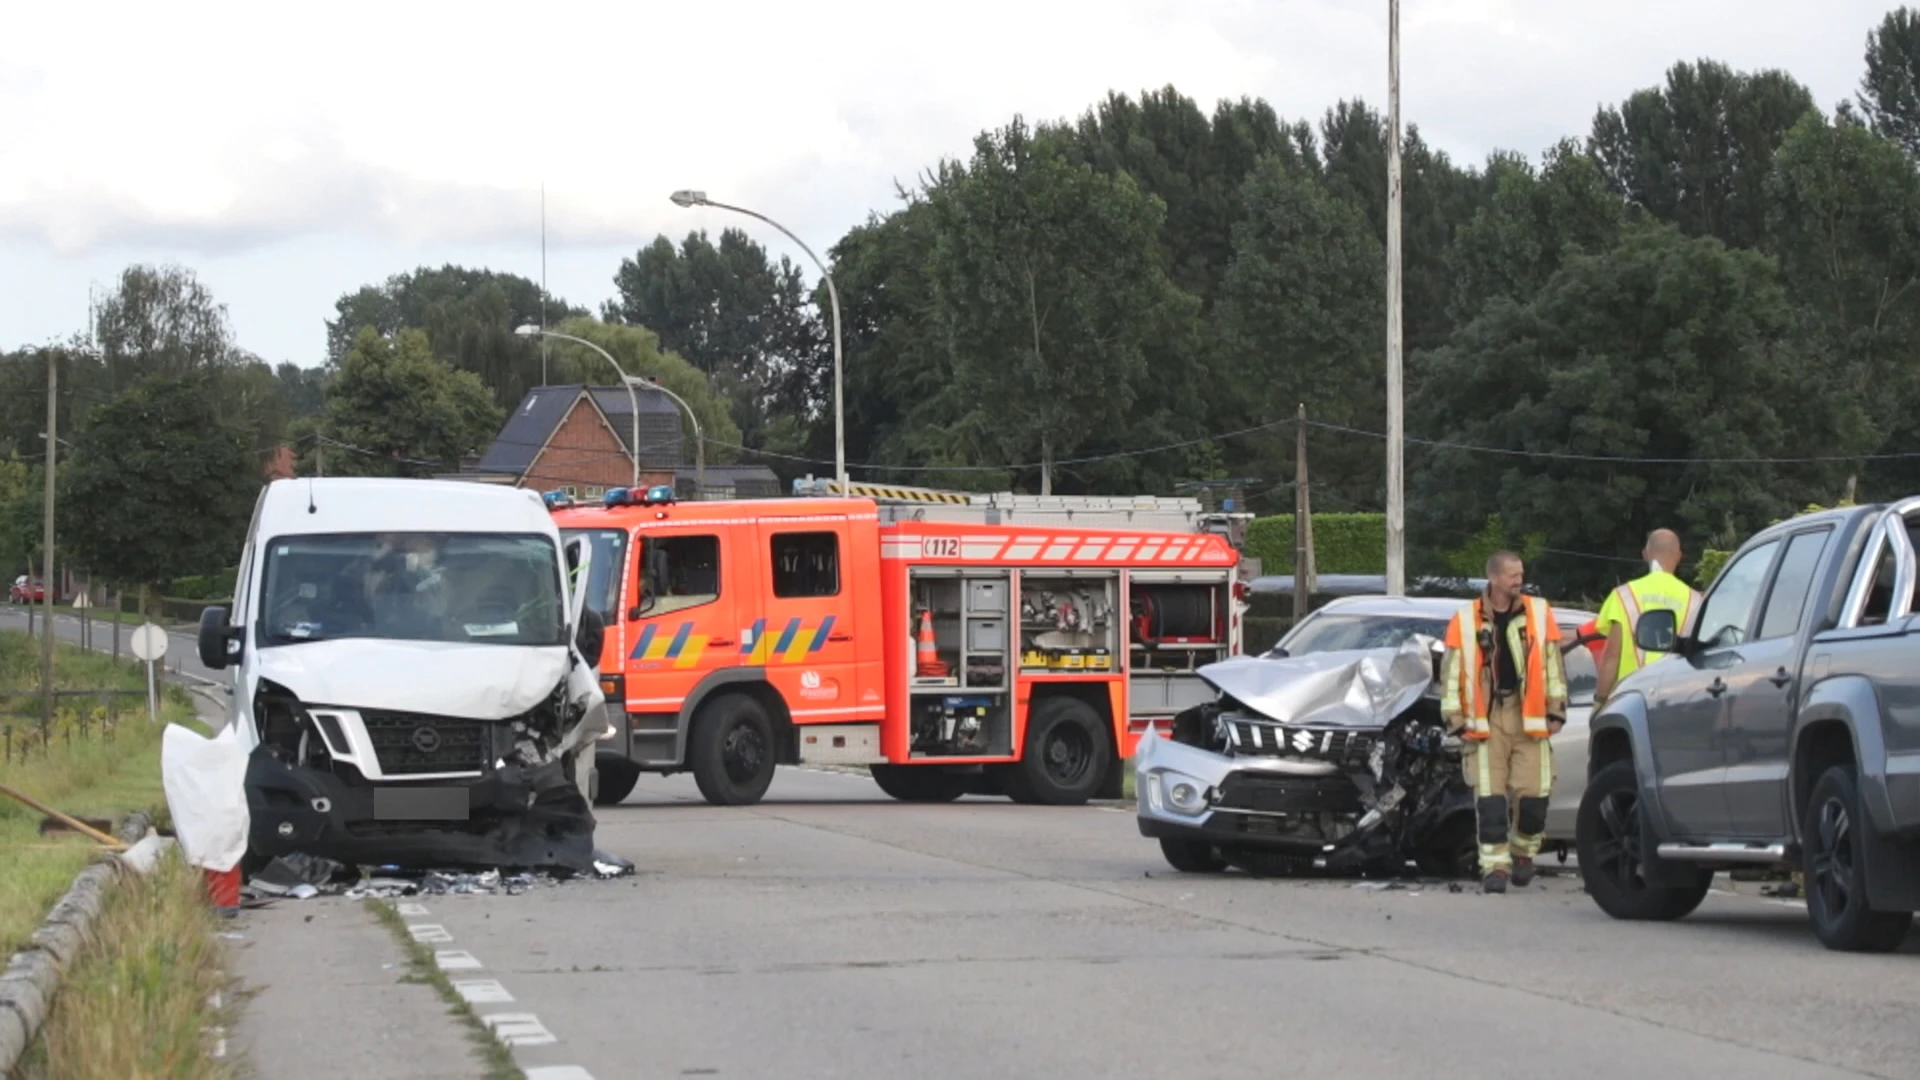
x=1607, y=837
x=732, y=750
x=921, y=783
x=1836, y=871
x=614, y=781
x=1067, y=754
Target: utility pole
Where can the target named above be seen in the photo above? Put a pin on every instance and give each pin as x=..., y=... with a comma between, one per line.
x=1303, y=570
x=46, y=545
x=1396, y=481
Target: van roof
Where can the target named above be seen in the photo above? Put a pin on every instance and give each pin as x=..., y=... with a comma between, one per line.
x=369, y=504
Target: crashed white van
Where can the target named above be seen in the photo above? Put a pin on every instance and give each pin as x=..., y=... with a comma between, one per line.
x=411, y=676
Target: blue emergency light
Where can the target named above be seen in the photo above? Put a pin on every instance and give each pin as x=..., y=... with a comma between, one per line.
x=557, y=500
x=657, y=495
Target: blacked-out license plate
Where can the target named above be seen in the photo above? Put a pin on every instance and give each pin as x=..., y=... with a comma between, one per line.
x=420, y=804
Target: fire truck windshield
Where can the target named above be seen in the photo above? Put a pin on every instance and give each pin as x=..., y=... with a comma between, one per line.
x=603, y=576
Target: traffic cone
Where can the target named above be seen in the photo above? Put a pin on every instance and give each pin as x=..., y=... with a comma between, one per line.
x=930, y=665
x=223, y=888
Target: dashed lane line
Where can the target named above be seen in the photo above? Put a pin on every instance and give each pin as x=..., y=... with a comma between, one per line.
x=512, y=1029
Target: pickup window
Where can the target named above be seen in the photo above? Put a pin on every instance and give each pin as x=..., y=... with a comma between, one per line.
x=1729, y=608
x=1791, y=583
x=1887, y=562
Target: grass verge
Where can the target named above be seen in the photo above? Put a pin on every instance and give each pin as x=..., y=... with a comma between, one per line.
x=148, y=995
x=494, y=1054
x=84, y=771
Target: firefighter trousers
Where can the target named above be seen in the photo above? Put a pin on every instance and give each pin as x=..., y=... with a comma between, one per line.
x=1509, y=763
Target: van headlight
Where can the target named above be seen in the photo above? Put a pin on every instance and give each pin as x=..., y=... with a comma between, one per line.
x=1177, y=792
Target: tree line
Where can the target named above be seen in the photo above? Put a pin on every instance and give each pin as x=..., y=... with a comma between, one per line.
x=1700, y=313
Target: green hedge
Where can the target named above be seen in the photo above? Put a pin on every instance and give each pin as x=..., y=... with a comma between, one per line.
x=1342, y=543
x=216, y=586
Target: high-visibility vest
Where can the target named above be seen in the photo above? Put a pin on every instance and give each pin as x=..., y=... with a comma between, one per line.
x=1646, y=593
x=1535, y=640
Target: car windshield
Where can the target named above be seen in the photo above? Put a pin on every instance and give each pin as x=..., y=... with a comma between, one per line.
x=483, y=588
x=1334, y=633
x=604, y=575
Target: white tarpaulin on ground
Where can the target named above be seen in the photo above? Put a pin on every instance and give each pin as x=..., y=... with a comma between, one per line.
x=205, y=781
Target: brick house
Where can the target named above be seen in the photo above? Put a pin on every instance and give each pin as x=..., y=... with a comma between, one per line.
x=574, y=438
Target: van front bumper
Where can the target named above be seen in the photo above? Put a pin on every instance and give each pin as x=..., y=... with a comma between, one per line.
x=511, y=818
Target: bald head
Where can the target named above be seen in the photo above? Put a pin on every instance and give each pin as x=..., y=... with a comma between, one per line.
x=1663, y=547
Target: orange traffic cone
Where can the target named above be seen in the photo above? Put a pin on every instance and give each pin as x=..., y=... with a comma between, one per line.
x=930, y=665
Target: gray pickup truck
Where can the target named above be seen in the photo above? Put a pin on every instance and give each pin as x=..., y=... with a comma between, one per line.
x=1781, y=734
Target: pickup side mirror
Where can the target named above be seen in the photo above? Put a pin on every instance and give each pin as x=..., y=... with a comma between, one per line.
x=1657, y=631
x=219, y=643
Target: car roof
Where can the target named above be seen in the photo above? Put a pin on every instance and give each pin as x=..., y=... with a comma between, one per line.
x=1430, y=607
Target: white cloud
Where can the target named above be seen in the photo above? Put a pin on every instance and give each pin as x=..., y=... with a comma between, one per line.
x=220, y=133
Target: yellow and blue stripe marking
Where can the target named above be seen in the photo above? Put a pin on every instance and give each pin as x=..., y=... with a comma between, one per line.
x=684, y=648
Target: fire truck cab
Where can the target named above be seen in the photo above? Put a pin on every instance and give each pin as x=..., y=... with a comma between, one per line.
x=950, y=643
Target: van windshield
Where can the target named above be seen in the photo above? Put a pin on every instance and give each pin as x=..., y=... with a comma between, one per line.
x=481, y=588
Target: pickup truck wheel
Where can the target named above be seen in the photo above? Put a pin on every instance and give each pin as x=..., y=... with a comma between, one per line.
x=1607, y=836
x=1836, y=871
x=616, y=781
x=732, y=750
x=1066, y=754
x=920, y=783
x=1191, y=856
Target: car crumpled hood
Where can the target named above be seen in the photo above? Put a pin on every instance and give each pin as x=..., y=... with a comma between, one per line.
x=476, y=682
x=1362, y=688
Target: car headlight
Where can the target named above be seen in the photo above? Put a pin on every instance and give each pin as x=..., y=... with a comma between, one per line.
x=1177, y=792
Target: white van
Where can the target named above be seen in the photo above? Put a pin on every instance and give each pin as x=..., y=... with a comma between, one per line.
x=412, y=676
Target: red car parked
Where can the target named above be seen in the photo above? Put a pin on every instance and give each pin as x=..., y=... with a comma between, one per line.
x=27, y=590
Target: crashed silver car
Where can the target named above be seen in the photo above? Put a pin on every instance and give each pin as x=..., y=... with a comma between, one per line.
x=1338, y=756
x=412, y=676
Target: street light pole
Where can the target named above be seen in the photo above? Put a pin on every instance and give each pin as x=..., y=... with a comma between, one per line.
x=633, y=402
x=699, y=198
x=46, y=548
x=1396, y=486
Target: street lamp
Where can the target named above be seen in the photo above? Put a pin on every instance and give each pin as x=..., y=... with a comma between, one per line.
x=699, y=198
x=633, y=403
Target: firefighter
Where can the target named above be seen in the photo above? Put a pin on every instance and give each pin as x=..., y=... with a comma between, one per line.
x=1506, y=693
x=1658, y=588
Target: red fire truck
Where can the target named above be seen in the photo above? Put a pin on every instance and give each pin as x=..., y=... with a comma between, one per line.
x=951, y=643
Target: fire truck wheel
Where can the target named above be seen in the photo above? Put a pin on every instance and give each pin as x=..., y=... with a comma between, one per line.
x=1066, y=754
x=920, y=783
x=732, y=750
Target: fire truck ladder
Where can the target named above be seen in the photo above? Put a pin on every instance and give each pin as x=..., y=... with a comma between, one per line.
x=901, y=503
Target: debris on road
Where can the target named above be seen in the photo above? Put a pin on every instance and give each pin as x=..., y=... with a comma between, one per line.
x=302, y=877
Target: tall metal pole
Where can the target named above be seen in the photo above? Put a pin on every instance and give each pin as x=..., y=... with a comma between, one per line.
x=696, y=198
x=699, y=440
x=46, y=544
x=1396, y=485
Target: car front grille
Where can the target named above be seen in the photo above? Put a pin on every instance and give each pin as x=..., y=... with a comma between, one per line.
x=1288, y=794
x=1342, y=746
x=413, y=744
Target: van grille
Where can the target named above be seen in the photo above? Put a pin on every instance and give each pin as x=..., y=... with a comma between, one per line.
x=411, y=744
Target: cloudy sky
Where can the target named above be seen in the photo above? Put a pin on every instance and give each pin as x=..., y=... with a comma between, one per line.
x=289, y=152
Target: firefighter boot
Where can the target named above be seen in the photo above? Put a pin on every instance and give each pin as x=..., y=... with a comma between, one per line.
x=1495, y=882
x=1522, y=871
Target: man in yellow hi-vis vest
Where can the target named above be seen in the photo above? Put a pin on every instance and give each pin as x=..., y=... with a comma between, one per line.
x=1622, y=609
x=1506, y=693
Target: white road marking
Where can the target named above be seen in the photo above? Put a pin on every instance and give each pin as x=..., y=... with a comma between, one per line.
x=429, y=933
x=519, y=1029
x=483, y=992
x=456, y=960
x=559, y=1072
x=411, y=911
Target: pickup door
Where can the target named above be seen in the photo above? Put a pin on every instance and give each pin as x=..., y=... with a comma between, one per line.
x=1687, y=709
x=1762, y=686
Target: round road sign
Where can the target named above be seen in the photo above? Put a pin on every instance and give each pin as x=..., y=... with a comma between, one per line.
x=149, y=642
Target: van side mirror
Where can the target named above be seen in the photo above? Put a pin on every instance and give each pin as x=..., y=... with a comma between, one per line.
x=1657, y=631
x=219, y=643
x=591, y=636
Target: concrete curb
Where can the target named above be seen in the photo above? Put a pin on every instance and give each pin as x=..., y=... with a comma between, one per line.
x=32, y=976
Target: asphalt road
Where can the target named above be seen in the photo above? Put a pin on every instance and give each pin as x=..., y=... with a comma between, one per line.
x=828, y=932
x=182, y=654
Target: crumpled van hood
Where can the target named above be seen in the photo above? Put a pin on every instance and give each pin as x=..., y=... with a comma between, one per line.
x=1359, y=688
x=476, y=682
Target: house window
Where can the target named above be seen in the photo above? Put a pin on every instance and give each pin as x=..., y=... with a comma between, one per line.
x=806, y=564
x=571, y=493
x=596, y=492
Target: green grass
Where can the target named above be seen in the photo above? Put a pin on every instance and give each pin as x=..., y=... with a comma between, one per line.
x=84, y=772
x=148, y=989
x=493, y=1053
